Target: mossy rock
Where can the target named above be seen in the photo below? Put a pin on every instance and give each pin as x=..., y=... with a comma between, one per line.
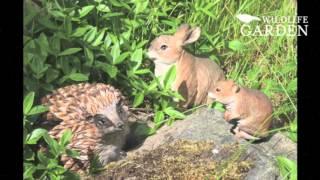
x=181, y=159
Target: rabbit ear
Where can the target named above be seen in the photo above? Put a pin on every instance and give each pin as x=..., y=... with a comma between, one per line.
x=192, y=36
x=185, y=35
x=182, y=31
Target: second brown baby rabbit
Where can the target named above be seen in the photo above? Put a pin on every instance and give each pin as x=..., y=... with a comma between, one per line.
x=195, y=76
x=251, y=107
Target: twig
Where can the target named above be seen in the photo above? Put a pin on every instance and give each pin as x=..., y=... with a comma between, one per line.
x=140, y=109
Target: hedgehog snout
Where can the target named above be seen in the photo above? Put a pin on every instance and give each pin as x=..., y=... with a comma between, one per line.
x=120, y=125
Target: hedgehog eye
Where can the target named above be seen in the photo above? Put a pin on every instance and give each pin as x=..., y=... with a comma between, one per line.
x=218, y=89
x=163, y=47
x=101, y=121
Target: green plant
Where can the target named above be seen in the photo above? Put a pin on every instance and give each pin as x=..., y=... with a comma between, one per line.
x=38, y=164
x=287, y=167
x=66, y=42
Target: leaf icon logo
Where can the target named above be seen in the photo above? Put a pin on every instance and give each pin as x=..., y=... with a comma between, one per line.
x=246, y=18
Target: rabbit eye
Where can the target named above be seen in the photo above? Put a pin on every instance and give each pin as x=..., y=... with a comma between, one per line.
x=163, y=47
x=218, y=90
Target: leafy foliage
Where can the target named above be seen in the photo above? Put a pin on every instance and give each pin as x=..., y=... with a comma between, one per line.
x=42, y=164
x=288, y=168
x=95, y=41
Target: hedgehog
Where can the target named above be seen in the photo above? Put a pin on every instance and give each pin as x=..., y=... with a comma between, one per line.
x=98, y=118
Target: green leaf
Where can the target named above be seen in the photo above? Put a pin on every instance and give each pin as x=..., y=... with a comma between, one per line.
x=294, y=126
x=141, y=43
x=288, y=168
x=46, y=22
x=26, y=39
x=174, y=113
x=55, y=45
x=111, y=70
x=292, y=135
x=54, y=147
x=108, y=15
x=51, y=75
x=170, y=121
x=169, y=77
x=89, y=37
x=138, y=99
x=57, y=14
x=107, y=41
x=126, y=35
x=205, y=11
x=66, y=137
x=170, y=23
x=153, y=86
x=142, y=71
x=103, y=8
x=121, y=58
x=115, y=52
x=218, y=106
x=38, y=67
x=85, y=10
x=25, y=131
x=80, y=31
x=178, y=96
x=36, y=135
x=236, y=45
x=48, y=87
x=136, y=56
x=89, y=54
x=69, y=51
x=292, y=86
x=71, y=175
x=37, y=110
x=141, y=6
x=28, y=102
x=116, y=3
x=98, y=40
x=53, y=164
x=158, y=117
x=32, y=12
x=142, y=130
x=28, y=154
x=78, y=77
x=67, y=26
x=29, y=169
x=72, y=153
x=44, y=44
x=42, y=158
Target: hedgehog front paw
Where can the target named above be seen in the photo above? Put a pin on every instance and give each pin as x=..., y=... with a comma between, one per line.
x=110, y=153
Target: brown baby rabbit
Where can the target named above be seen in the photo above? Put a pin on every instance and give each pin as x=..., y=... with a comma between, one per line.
x=195, y=76
x=251, y=107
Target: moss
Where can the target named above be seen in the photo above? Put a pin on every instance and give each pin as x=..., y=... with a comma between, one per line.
x=178, y=160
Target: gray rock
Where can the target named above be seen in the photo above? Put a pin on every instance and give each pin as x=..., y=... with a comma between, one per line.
x=205, y=124
x=208, y=124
